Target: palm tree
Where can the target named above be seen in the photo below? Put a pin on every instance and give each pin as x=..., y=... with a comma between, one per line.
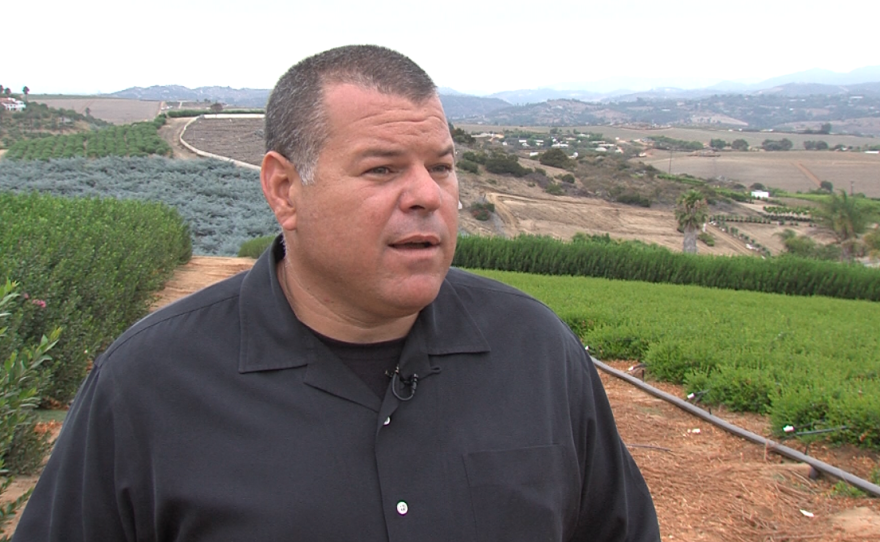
x=845, y=219
x=691, y=213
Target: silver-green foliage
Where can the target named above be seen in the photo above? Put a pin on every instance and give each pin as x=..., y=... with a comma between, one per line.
x=223, y=204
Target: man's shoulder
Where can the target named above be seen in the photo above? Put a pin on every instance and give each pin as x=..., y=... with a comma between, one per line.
x=208, y=310
x=461, y=279
x=485, y=297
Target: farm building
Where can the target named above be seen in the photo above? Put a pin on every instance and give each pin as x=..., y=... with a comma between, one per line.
x=11, y=104
x=760, y=194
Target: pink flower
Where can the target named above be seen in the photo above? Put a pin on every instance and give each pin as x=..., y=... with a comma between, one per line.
x=39, y=302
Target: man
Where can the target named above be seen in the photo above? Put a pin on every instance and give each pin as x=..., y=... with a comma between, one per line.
x=350, y=386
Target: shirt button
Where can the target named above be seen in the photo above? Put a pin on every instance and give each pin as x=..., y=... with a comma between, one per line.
x=386, y=422
x=402, y=508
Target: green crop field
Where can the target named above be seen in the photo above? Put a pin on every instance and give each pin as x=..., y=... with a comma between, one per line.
x=808, y=361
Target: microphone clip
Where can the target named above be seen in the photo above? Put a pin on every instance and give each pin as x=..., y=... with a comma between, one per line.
x=402, y=383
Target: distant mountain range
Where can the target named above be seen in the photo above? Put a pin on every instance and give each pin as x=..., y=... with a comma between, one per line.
x=851, y=95
x=240, y=97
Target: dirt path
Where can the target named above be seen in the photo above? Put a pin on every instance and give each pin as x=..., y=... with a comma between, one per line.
x=808, y=174
x=170, y=132
x=707, y=484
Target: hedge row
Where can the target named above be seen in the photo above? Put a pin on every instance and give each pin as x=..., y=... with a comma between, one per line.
x=88, y=266
x=811, y=363
x=602, y=257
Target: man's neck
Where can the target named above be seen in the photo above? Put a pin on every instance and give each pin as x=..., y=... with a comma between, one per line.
x=342, y=327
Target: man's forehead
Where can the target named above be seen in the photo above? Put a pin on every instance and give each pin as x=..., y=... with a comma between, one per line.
x=334, y=92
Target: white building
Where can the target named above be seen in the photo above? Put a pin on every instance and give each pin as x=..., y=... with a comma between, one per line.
x=11, y=104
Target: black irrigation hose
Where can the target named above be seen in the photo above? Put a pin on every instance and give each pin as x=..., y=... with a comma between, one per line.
x=790, y=453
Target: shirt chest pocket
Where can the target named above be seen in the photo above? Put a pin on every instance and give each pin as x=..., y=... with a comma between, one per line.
x=529, y=494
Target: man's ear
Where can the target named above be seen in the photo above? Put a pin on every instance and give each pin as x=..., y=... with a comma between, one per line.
x=281, y=184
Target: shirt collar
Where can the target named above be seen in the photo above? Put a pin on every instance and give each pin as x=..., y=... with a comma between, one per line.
x=272, y=338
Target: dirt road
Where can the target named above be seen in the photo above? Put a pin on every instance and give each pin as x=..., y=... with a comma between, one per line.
x=171, y=133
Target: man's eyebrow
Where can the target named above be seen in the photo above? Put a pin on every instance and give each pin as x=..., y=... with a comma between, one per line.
x=393, y=153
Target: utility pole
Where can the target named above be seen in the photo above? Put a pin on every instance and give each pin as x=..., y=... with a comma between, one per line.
x=669, y=171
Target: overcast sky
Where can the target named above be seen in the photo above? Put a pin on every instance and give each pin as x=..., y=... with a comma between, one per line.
x=473, y=46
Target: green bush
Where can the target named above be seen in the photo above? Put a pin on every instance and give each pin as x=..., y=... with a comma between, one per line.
x=631, y=198
x=503, y=163
x=468, y=166
x=22, y=448
x=706, y=238
x=554, y=189
x=93, y=264
x=254, y=248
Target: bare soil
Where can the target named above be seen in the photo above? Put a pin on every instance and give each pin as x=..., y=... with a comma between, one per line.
x=238, y=138
x=115, y=110
x=792, y=171
x=171, y=133
x=708, y=485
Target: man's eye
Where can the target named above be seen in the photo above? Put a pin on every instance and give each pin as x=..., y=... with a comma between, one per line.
x=381, y=170
x=442, y=169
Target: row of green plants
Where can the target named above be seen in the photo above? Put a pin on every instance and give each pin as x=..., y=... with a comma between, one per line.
x=599, y=256
x=86, y=265
x=222, y=204
x=808, y=362
x=779, y=210
x=138, y=139
x=734, y=232
x=774, y=219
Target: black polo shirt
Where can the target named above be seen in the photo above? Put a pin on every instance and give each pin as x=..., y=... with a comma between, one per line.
x=222, y=418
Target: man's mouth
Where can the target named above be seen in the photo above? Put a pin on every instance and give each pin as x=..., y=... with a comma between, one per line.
x=413, y=245
x=416, y=242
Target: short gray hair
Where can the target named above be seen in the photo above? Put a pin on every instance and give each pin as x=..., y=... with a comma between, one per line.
x=295, y=115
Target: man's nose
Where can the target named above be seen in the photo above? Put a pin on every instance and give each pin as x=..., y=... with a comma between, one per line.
x=421, y=192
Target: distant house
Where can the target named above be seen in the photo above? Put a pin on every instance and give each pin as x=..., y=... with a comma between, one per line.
x=11, y=104
x=760, y=194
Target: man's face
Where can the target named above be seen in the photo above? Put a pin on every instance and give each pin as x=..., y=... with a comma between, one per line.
x=375, y=232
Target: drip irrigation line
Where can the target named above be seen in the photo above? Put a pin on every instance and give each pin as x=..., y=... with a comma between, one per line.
x=768, y=444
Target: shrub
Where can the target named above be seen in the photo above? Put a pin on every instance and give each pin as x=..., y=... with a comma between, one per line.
x=567, y=178
x=482, y=211
x=476, y=157
x=631, y=198
x=556, y=158
x=254, y=248
x=468, y=166
x=22, y=374
x=504, y=163
x=554, y=189
x=706, y=238
x=93, y=264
